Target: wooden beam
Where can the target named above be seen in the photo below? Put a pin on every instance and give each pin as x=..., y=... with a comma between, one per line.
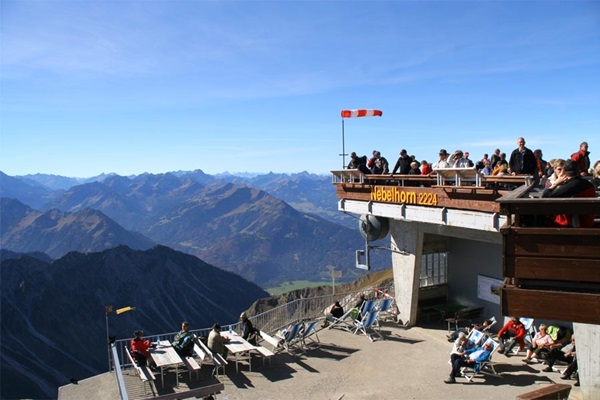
x=551, y=268
x=551, y=305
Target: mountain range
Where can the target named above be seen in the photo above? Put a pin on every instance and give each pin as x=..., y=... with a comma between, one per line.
x=233, y=226
x=53, y=313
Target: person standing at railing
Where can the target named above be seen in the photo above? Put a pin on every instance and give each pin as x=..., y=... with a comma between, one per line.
x=582, y=158
x=425, y=168
x=443, y=161
x=403, y=164
x=522, y=160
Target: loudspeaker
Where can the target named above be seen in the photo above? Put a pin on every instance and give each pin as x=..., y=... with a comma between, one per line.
x=373, y=228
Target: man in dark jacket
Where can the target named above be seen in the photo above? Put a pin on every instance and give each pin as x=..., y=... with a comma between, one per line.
x=403, y=163
x=522, y=161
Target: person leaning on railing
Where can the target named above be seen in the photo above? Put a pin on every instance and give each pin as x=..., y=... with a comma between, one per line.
x=571, y=184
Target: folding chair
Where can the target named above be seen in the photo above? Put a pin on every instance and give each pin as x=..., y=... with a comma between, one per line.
x=484, y=367
x=290, y=339
x=369, y=321
x=492, y=323
x=387, y=309
x=475, y=337
x=530, y=330
x=344, y=322
x=367, y=307
x=309, y=332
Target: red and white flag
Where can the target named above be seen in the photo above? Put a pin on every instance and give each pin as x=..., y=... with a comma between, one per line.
x=361, y=113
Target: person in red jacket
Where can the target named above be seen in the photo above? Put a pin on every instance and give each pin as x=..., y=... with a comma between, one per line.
x=139, y=348
x=514, y=332
x=582, y=158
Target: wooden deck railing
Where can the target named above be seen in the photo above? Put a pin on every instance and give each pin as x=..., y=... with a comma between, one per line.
x=550, y=273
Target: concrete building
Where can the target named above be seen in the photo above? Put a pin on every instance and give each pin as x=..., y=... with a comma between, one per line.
x=491, y=258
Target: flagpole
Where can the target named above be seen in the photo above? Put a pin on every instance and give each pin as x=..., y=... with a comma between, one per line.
x=108, y=309
x=343, y=147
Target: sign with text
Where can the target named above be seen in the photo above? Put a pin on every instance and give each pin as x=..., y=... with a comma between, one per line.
x=402, y=195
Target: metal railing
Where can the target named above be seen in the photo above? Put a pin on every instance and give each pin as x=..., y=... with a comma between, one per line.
x=277, y=318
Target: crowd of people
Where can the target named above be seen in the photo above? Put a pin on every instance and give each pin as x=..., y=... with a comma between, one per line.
x=522, y=161
x=551, y=344
x=557, y=178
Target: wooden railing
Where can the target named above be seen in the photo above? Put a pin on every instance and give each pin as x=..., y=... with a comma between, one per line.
x=550, y=273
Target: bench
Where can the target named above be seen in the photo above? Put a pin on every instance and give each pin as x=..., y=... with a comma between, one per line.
x=191, y=365
x=205, y=391
x=143, y=372
x=204, y=352
x=272, y=341
x=467, y=314
x=557, y=391
x=265, y=353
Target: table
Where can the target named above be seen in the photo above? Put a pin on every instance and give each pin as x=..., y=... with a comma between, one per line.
x=238, y=347
x=444, y=309
x=164, y=355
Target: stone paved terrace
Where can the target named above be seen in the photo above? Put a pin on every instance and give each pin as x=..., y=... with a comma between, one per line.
x=409, y=364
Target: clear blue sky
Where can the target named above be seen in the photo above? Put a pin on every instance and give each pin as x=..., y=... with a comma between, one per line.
x=90, y=87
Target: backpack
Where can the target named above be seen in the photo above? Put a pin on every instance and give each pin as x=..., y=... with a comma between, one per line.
x=253, y=336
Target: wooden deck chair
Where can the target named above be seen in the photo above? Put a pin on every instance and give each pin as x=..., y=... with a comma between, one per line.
x=385, y=308
x=366, y=308
x=485, y=367
x=475, y=337
x=369, y=322
x=309, y=333
x=344, y=322
x=530, y=330
x=290, y=339
x=492, y=321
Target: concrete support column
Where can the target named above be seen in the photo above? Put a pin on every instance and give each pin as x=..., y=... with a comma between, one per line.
x=587, y=342
x=407, y=238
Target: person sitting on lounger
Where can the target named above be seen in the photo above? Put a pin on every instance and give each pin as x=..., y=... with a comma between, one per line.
x=513, y=332
x=542, y=342
x=467, y=329
x=336, y=312
x=216, y=342
x=469, y=359
x=183, y=343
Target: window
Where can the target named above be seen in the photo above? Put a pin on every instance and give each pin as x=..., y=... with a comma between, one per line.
x=434, y=269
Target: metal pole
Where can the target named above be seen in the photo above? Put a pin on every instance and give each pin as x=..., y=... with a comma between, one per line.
x=107, y=341
x=333, y=277
x=343, y=147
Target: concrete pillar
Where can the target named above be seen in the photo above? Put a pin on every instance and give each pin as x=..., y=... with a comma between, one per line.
x=587, y=343
x=407, y=238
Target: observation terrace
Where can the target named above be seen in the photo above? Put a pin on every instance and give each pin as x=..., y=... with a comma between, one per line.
x=482, y=225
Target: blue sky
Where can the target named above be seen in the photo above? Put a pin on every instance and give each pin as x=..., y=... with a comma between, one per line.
x=90, y=87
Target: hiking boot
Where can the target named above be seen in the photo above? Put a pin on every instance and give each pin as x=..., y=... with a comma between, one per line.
x=566, y=377
x=450, y=380
x=576, y=383
x=547, y=369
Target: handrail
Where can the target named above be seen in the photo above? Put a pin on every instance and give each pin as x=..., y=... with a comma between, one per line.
x=276, y=318
x=117, y=367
